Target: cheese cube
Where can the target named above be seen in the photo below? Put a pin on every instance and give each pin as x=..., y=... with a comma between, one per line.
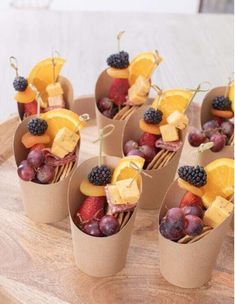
x=56, y=101
x=138, y=92
x=169, y=133
x=128, y=191
x=64, y=142
x=113, y=194
x=218, y=211
x=54, y=89
x=177, y=119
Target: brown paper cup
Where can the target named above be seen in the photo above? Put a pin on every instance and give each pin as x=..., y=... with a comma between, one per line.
x=42, y=203
x=205, y=115
x=84, y=104
x=68, y=96
x=154, y=188
x=112, y=145
x=188, y=265
x=96, y=256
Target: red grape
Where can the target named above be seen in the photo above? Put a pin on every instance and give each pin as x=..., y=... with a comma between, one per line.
x=104, y=104
x=130, y=145
x=92, y=228
x=219, y=142
x=193, y=210
x=35, y=158
x=193, y=225
x=26, y=171
x=149, y=152
x=227, y=128
x=136, y=152
x=109, y=225
x=45, y=174
x=173, y=224
x=196, y=137
x=211, y=127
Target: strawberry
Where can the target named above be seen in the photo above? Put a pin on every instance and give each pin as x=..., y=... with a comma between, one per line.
x=148, y=139
x=91, y=208
x=118, y=90
x=30, y=108
x=190, y=199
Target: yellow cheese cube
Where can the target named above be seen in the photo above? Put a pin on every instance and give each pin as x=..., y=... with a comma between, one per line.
x=113, y=194
x=169, y=133
x=54, y=89
x=56, y=101
x=64, y=142
x=138, y=92
x=218, y=211
x=128, y=191
x=177, y=119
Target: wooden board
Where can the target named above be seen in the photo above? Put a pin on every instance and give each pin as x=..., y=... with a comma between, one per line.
x=37, y=264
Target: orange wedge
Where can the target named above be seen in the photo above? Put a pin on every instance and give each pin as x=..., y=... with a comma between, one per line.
x=231, y=95
x=42, y=75
x=123, y=170
x=143, y=64
x=60, y=118
x=220, y=180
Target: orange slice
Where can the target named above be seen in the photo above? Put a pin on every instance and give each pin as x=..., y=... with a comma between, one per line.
x=220, y=180
x=89, y=189
x=231, y=95
x=195, y=190
x=223, y=114
x=60, y=118
x=118, y=73
x=42, y=75
x=143, y=64
x=26, y=96
x=149, y=128
x=124, y=171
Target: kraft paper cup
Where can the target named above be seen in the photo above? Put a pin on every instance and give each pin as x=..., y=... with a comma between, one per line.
x=68, y=96
x=205, y=115
x=112, y=145
x=188, y=265
x=154, y=188
x=96, y=256
x=84, y=104
x=42, y=203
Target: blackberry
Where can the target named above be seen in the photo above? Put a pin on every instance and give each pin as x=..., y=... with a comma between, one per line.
x=152, y=116
x=37, y=126
x=20, y=83
x=221, y=103
x=195, y=176
x=119, y=60
x=100, y=175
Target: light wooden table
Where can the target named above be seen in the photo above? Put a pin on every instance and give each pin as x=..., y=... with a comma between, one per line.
x=194, y=47
x=36, y=261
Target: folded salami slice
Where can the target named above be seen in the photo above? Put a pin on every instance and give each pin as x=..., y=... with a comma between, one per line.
x=169, y=145
x=53, y=160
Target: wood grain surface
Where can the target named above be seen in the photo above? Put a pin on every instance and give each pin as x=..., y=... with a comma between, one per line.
x=37, y=264
x=194, y=47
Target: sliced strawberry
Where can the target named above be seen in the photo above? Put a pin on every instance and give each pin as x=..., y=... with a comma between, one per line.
x=91, y=208
x=118, y=90
x=30, y=108
x=148, y=139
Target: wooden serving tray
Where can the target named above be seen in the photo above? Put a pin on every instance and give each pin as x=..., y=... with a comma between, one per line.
x=37, y=263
